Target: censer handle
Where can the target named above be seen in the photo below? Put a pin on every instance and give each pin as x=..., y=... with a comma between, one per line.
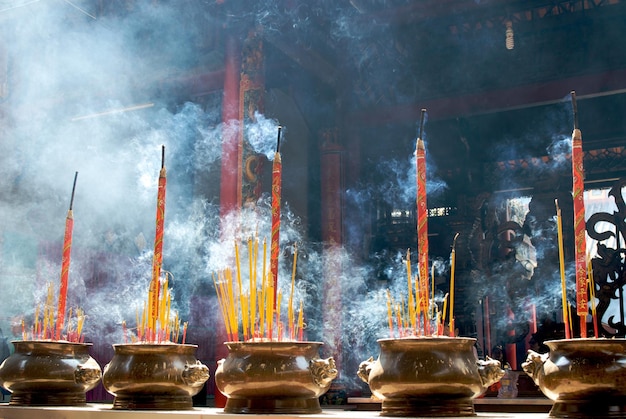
x=195, y=374
x=490, y=371
x=323, y=371
x=534, y=363
x=88, y=373
x=364, y=369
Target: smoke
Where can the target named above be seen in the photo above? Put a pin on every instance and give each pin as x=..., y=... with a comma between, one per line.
x=77, y=99
x=261, y=133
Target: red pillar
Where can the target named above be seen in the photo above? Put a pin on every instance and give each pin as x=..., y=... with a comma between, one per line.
x=332, y=234
x=230, y=191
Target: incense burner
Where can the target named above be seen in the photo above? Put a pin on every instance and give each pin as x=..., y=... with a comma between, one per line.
x=586, y=378
x=49, y=373
x=438, y=376
x=154, y=376
x=274, y=377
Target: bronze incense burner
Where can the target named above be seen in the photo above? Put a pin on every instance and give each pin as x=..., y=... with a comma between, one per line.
x=49, y=373
x=154, y=376
x=586, y=378
x=274, y=377
x=438, y=376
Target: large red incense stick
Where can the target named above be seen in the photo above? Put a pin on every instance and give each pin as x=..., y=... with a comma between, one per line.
x=157, y=259
x=276, y=191
x=422, y=214
x=65, y=264
x=580, y=247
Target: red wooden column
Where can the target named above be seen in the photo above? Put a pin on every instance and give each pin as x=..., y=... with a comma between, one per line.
x=240, y=171
x=332, y=182
x=231, y=165
x=230, y=191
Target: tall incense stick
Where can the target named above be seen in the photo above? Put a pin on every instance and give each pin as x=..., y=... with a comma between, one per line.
x=65, y=264
x=580, y=246
x=422, y=211
x=157, y=258
x=275, y=233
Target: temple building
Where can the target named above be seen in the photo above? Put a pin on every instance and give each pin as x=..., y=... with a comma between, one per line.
x=494, y=89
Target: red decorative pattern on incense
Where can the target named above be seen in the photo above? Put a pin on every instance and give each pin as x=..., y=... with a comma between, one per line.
x=275, y=234
x=580, y=246
x=422, y=217
x=65, y=265
x=158, y=251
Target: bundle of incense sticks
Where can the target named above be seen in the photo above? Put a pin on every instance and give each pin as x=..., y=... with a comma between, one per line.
x=413, y=316
x=45, y=328
x=63, y=326
x=416, y=315
x=252, y=312
x=166, y=327
x=157, y=323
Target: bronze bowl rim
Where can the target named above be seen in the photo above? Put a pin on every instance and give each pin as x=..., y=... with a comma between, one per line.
x=587, y=340
x=50, y=341
x=154, y=345
x=429, y=339
x=272, y=343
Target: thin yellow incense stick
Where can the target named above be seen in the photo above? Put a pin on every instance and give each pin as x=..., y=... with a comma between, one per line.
x=79, y=323
x=389, y=314
x=263, y=299
x=232, y=305
x=290, y=308
x=452, y=267
x=559, y=224
x=432, y=298
x=279, y=297
x=240, y=290
x=222, y=304
x=252, y=258
x=143, y=321
x=245, y=314
x=411, y=301
x=269, y=304
x=36, y=322
x=69, y=323
x=301, y=320
x=569, y=316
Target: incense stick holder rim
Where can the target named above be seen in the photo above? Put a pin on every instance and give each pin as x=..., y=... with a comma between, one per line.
x=146, y=376
x=428, y=376
x=269, y=377
x=49, y=373
x=585, y=377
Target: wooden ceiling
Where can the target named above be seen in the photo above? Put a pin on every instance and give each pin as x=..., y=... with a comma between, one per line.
x=380, y=62
x=370, y=66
